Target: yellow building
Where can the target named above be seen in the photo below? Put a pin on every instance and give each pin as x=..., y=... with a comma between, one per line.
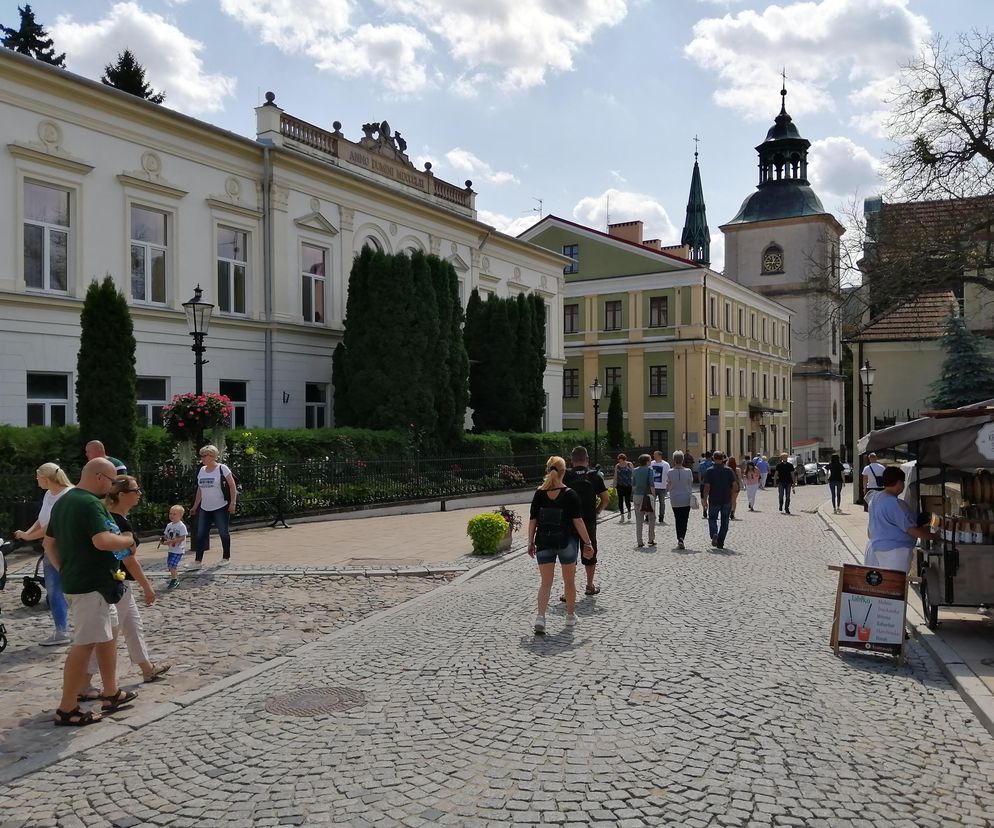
x=702, y=362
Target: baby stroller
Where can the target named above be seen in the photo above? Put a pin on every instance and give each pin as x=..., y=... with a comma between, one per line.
x=3, y=583
x=25, y=514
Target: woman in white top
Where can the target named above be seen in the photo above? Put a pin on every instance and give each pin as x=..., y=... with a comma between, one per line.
x=53, y=480
x=215, y=500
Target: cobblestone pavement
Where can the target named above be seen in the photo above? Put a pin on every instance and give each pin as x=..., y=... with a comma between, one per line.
x=697, y=689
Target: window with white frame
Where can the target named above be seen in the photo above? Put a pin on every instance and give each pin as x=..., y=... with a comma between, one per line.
x=714, y=381
x=314, y=261
x=742, y=383
x=47, y=225
x=659, y=307
x=764, y=330
x=754, y=387
x=776, y=387
x=573, y=251
x=48, y=399
x=237, y=392
x=571, y=383
x=150, y=397
x=315, y=405
x=729, y=391
x=728, y=317
x=571, y=318
x=766, y=386
x=742, y=323
x=752, y=325
x=712, y=312
x=149, y=248
x=232, y=269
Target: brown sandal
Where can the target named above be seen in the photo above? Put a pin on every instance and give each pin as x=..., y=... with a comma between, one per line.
x=122, y=697
x=158, y=670
x=88, y=695
x=75, y=718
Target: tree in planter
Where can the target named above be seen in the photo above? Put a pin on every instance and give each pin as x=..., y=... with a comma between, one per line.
x=105, y=370
x=967, y=374
x=615, y=420
x=32, y=40
x=128, y=75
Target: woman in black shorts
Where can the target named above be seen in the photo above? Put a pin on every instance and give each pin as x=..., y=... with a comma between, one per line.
x=555, y=523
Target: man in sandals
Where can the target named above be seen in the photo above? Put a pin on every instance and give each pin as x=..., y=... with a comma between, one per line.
x=81, y=540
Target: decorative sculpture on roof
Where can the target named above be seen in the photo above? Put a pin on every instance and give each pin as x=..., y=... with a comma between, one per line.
x=377, y=137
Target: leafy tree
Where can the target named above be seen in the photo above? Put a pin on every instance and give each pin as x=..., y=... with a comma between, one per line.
x=128, y=75
x=105, y=370
x=343, y=414
x=615, y=420
x=32, y=40
x=967, y=374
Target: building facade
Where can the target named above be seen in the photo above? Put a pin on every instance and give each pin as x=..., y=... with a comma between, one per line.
x=702, y=362
x=99, y=182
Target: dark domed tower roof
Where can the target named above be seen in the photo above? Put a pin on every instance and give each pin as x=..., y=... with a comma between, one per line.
x=783, y=190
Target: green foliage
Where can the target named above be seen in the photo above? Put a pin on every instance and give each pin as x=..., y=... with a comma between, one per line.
x=615, y=420
x=486, y=531
x=31, y=39
x=22, y=450
x=105, y=370
x=967, y=374
x=128, y=75
x=612, y=503
x=505, y=342
x=484, y=445
x=301, y=444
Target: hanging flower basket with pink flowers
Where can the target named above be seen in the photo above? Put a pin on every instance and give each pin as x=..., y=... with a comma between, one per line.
x=188, y=416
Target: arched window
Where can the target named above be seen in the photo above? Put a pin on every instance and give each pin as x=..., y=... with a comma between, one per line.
x=373, y=243
x=773, y=259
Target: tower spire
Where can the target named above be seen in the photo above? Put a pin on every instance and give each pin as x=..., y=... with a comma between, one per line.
x=696, y=235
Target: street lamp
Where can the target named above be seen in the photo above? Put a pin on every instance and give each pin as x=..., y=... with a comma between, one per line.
x=867, y=374
x=596, y=392
x=198, y=320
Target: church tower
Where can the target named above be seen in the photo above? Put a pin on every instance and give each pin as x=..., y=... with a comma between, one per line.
x=696, y=236
x=783, y=244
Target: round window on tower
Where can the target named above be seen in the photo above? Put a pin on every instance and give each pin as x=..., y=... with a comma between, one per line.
x=773, y=259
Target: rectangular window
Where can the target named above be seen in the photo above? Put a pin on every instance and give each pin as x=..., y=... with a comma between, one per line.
x=764, y=330
x=571, y=383
x=754, y=385
x=232, y=269
x=775, y=387
x=742, y=322
x=612, y=315
x=752, y=325
x=571, y=319
x=729, y=448
x=573, y=251
x=729, y=391
x=660, y=441
x=313, y=262
x=48, y=399
x=237, y=392
x=659, y=312
x=766, y=386
x=714, y=381
x=46, y=237
x=658, y=381
x=728, y=317
x=149, y=246
x=713, y=312
x=612, y=377
x=150, y=396
x=315, y=405
x=742, y=383
x=742, y=443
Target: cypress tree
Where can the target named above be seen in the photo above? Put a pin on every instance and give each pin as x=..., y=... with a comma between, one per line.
x=443, y=356
x=967, y=374
x=535, y=396
x=31, y=39
x=477, y=335
x=615, y=420
x=105, y=370
x=426, y=372
x=509, y=352
x=525, y=419
x=128, y=75
x=343, y=415
x=458, y=358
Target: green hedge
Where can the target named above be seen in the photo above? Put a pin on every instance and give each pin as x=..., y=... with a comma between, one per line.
x=297, y=444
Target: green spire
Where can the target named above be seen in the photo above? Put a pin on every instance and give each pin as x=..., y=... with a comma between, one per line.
x=695, y=229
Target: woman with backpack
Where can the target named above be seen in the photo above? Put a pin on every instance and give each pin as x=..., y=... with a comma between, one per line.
x=215, y=500
x=555, y=523
x=623, y=485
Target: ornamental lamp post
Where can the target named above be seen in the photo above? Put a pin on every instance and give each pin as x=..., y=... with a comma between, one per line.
x=596, y=392
x=198, y=320
x=867, y=374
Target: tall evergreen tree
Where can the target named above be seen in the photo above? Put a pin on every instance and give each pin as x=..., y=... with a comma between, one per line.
x=425, y=373
x=128, y=75
x=967, y=374
x=458, y=358
x=615, y=420
x=343, y=415
x=535, y=397
x=32, y=40
x=450, y=404
x=105, y=370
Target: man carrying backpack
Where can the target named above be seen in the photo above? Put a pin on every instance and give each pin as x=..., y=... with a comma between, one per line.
x=592, y=491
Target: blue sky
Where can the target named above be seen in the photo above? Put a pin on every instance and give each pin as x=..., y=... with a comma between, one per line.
x=567, y=101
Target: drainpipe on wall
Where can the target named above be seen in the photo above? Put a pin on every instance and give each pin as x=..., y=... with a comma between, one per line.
x=267, y=279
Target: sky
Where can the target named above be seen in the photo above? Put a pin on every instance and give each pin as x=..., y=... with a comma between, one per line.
x=558, y=106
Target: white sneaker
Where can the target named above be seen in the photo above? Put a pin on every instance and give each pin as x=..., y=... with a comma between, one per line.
x=539, y=625
x=570, y=620
x=193, y=567
x=223, y=562
x=56, y=638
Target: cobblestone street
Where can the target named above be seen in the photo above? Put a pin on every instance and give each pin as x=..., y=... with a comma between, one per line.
x=697, y=689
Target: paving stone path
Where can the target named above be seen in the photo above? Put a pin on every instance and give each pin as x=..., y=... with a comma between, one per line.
x=697, y=689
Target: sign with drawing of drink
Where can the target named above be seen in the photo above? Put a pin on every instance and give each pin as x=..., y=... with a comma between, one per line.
x=869, y=609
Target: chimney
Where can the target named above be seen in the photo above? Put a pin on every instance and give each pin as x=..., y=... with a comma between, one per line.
x=627, y=230
x=655, y=244
x=681, y=250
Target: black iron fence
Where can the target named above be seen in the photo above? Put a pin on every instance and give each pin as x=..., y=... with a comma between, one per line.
x=270, y=490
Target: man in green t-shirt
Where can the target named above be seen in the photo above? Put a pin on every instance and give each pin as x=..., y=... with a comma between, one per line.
x=81, y=540
x=95, y=449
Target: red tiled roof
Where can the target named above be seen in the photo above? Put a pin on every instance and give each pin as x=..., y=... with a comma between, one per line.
x=914, y=321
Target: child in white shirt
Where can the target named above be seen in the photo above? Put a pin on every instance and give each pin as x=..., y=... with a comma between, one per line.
x=174, y=536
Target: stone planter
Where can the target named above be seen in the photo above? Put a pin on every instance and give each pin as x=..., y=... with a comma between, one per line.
x=505, y=542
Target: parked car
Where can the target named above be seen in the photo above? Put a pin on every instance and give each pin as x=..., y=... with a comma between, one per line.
x=815, y=473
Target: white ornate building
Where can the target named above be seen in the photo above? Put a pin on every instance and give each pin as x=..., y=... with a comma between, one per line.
x=96, y=182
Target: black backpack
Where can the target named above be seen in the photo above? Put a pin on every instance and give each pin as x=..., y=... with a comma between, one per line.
x=581, y=481
x=552, y=531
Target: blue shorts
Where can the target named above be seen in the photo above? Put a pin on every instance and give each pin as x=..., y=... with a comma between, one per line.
x=172, y=561
x=567, y=555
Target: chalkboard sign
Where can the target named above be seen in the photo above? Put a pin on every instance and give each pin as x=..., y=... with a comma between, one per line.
x=870, y=608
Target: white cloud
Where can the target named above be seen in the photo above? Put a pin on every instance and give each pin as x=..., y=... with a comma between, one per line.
x=821, y=42
x=171, y=58
x=506, y=224
x=839, y=168
x=718, y=252
x=627, y=206
x=468, y=164
x=292, y=24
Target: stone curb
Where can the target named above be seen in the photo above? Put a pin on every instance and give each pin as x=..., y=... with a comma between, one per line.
x=972, y=690
x=156, y=712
